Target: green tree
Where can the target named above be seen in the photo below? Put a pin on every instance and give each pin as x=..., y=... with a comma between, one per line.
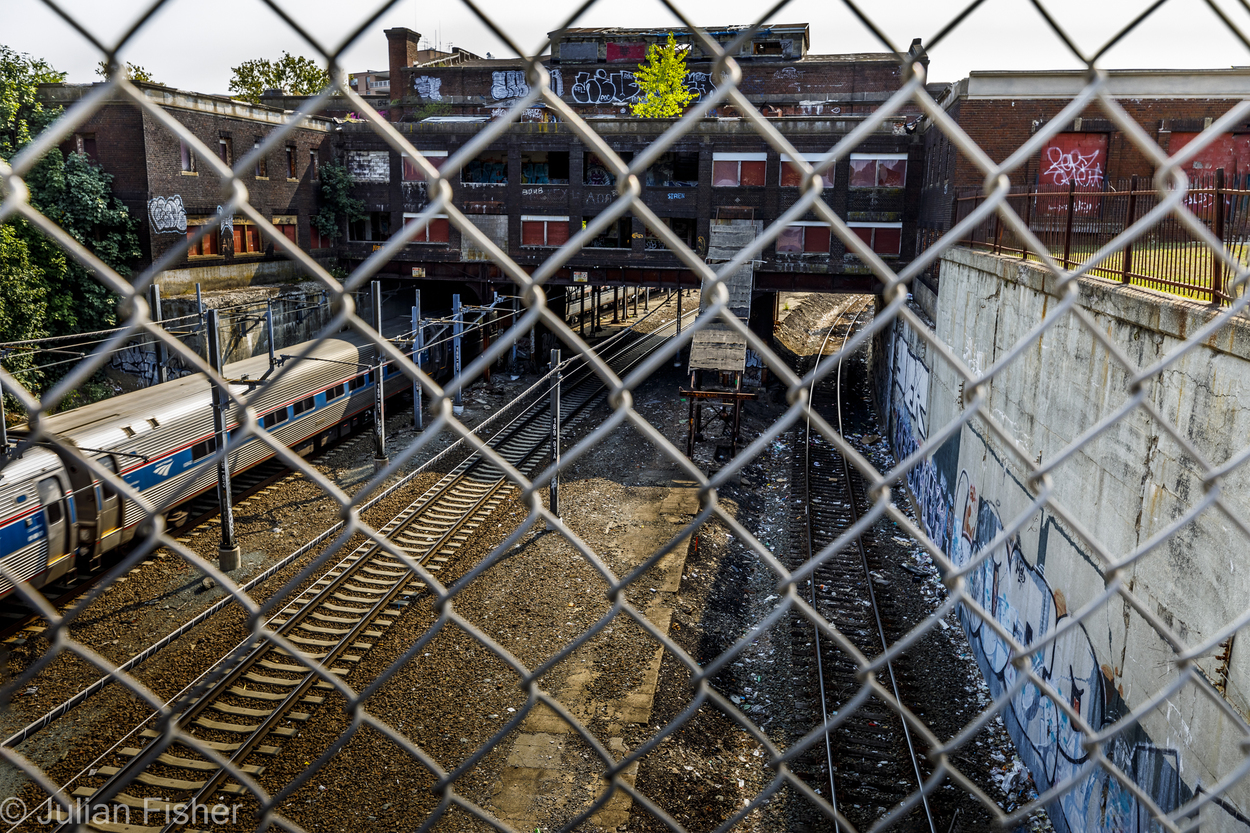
x=338, y=207
x=22, y=116
x=661, y=80
x=42, y=290
x=294, y=73
x=133, y=71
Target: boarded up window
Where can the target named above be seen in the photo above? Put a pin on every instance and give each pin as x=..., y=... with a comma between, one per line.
x=887, y=170
x=634, y=53
x=815, y=238
x=790, y=241
x=412, y=172
x=438, y=230
x=1232, y=153
x=1074, y=158
x=369, y=165
x=544, y=231
x=884, y=239
x=588, y=52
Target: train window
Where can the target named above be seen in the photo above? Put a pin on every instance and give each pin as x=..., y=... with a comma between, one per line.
x=335, y=392
x=201, y=450
x=360, y=381
x=302, y=406
x=273, y=418
x=50, y=492
x=108, y=491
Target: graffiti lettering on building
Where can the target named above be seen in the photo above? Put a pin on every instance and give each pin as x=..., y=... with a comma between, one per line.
x=512, y=84
x=1074, y=167
x=428, y=87
x=620, y=87
x=168, y=214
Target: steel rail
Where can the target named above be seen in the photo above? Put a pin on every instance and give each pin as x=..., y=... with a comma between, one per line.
x=631, y=353
x=863, y=556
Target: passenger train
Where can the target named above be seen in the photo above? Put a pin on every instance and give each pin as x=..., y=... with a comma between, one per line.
x=56, y=517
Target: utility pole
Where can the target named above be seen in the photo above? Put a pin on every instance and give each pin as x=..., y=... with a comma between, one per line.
x=554, y=498
x=457, y=327
x=269, y=330
x=158, y=315
x=228, y=554
x=379, y=399
x=417, y=416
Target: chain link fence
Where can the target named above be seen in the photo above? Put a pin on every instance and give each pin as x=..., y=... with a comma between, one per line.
x=1098, y=766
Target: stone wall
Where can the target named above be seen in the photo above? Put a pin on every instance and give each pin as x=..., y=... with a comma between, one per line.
x=1112, y=497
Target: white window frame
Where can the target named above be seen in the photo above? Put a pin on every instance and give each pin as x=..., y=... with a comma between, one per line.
x=811, y=158
x=426, y=231
x=877, y=157
x=895, y=225
x=806, y=223
x=544, y=219
x=739, y=158
x=432, y=154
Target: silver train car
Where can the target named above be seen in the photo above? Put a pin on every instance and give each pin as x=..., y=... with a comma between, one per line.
x=56, y=517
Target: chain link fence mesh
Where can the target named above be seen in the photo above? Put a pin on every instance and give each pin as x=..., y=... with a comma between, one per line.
x=1090, y=753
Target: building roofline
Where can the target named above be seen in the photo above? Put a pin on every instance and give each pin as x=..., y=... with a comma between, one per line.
x=1227, y=82
x=67, y=93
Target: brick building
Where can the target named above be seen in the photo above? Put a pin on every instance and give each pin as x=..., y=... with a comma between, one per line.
x=1001, y=110
x=172, y=192
x=538, y=185
x=592, y=70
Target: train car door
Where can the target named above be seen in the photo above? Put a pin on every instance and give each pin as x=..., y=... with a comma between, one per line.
x=109, y=525
x=56, y=525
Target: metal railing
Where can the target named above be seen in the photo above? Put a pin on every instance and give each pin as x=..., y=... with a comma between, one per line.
x=1078, y=222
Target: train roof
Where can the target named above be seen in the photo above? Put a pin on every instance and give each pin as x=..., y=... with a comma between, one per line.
x=119, y=424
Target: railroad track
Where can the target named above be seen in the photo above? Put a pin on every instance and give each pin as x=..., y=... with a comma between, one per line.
x=870, y=762
x=259, y=694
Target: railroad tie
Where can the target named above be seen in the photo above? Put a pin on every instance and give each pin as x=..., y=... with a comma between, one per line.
x=239, y=728
x=189, y=763
x=216, y=744
x=242, y=711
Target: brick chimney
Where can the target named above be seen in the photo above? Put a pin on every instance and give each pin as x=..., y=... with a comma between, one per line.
x=402, y=44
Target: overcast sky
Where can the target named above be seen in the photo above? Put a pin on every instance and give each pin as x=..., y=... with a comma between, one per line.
x=192, y=44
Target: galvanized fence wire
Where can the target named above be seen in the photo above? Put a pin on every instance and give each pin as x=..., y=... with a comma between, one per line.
x=1167, y=204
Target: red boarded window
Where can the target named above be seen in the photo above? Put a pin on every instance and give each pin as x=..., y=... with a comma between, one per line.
x=412, y=172
x=621, y=52
x=288, y=229
x=885, y=171
x=733, y=172
x=863, y=173
x=752, y=174
x=208, y=246
x=533, y=233
x=253, y=239
x=816, y=238
x=436, y=231
x=724, y=174
x=884, y=240
x=891, y=173
x=1074, y=158
x=791, y=176
x=790, y=241
x=544, y=231
x=239, y=240
x=1232, y=153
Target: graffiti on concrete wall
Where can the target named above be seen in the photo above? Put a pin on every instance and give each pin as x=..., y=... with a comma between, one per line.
x=168, y=215
x=1011, y=588
x=512, y=84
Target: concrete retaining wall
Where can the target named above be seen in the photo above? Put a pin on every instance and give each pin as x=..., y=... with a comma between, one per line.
x=299, y=314
x=1130, y=484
